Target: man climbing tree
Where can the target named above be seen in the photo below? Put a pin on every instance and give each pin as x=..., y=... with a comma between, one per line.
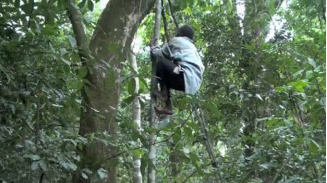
x=179, y=67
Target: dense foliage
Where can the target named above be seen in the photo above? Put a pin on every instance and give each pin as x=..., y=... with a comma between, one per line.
x=263, y=97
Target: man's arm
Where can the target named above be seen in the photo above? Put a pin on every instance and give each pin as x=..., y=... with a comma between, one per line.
x=164, y=51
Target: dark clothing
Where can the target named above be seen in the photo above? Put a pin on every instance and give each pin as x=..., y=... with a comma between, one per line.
x=168, y=78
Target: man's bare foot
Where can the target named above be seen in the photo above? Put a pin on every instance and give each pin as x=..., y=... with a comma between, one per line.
x=160, y=95
x=161, y=110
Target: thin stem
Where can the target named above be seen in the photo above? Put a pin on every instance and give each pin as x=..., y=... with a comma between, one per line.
x=172, y=14
x=153, y=99
x=164, y=20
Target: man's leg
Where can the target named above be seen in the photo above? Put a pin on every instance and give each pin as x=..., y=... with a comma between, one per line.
x=165, y=68
x=169, y=79
x=175, y=81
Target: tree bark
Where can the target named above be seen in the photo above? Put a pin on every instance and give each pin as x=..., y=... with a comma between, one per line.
x=152, y=124
x=173, y=163
x=79, y=30
x=136, y=115
x=111, y=39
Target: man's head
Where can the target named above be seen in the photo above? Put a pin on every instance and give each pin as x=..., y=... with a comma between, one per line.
x=186, y=31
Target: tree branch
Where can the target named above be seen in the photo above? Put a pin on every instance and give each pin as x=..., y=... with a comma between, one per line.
x=37, y=124
x=172, y=14
x=323, y=9
x=164, y=20
x=76, y=20
x=41, y=177
x=153, y=100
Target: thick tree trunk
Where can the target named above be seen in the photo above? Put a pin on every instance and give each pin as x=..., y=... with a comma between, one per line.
x=111, y=39
x=136, y=115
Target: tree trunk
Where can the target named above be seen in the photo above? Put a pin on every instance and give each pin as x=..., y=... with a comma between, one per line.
x=152, y=124
x=252, y=32
x=136, y=115
x=173, y=157
x=111, y=39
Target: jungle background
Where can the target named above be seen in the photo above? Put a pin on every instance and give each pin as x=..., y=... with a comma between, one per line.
x=75, y=83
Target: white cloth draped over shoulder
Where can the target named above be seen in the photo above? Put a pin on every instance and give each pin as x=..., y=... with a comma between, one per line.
x=182, y=50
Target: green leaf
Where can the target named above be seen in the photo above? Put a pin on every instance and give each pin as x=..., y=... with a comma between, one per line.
x=212, y=108
x=195, y=159
x=137, y=153
x=258, y=96
x=17, y=3
x=122, y=79
x=87, y=90
x=142, y=80
x=272, y=122
x=43, y=165
x=49, y=30
x=280, y=89
x=188, y=131
x=85, y=81
x=229, y=5
x=32, y=157
x=88, y=20
x=84, y=175
x=66, y=61
x=82, y=72
x=102, y=173
x=265, y=165
x=63, y=51
x=72, y=40
x=293, y=179
x=188, y=11
x=308, y=74
x=69, y=166
x=144, y=163
x=35, y=165
x=314, y=146
x=299, y=85
x=26, y=7
x=60, y=4
x=66, y=164
x=163, y=123
x=90, y=5
x=186, y=150
x=312, y=63
x=86, y=170
x=12, y=107
x=127, y=101
x=194, y=126
x=132, y=86
x=297, y=73
x=82, y=4
x=250, y=47
x=79, y=84
x=177, y=136
x=272, y=8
